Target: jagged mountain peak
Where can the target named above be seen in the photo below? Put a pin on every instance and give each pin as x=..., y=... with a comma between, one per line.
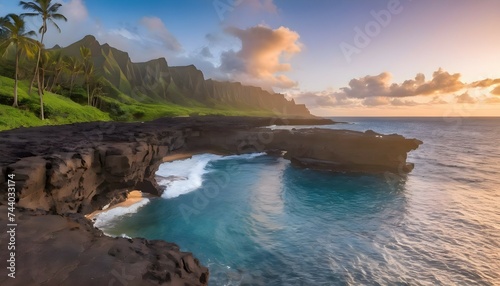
x=89, y=38
x=154, y=80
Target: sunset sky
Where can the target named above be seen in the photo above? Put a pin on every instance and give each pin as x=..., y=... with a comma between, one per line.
x=341, y=58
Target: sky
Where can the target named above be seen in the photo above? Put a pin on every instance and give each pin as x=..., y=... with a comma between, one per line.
x=339, y=57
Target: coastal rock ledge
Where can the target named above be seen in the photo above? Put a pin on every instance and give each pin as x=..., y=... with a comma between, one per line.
x=63, y=173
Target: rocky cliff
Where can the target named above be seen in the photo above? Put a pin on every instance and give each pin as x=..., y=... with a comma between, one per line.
x=64, y=172
x=156, y=81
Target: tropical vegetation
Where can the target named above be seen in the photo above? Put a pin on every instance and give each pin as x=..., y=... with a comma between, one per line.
x=69, y=87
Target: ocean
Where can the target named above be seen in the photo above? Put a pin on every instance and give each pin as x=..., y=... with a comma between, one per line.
x=256, y=220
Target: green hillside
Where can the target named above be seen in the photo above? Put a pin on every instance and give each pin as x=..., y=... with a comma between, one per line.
x=123, y=91
x=60, y=109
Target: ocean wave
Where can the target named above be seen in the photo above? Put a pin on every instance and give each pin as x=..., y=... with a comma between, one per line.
x=106, y=218
x=243, y=156
x=184, y=176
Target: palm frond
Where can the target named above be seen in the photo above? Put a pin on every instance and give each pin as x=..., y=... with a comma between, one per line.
x=44, y=9
x=31, y=6
x=4, y=45
x=55, y=25
x=16, y=34
x=29, y=34
x=54, y=8
x=30, y=14
x=17, y=21
x=59, y=17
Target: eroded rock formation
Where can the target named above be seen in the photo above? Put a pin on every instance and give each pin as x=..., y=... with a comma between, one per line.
x=65, y=172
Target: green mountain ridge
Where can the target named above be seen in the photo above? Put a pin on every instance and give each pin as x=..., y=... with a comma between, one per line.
x=157, y=82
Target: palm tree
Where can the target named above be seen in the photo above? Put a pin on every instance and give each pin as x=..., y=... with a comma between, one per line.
x=14, y=33
x=88, y=69
x=74, y=67
x=3, y=22
x=47, y=10
x=44, y=66
x=97, y=92
x=57, y=66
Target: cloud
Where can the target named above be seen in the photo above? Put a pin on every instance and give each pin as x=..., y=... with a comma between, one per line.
x=381, y=85
x=492, y=100
x=144, y=40
x=213, y=38
x=158, y=31
x=77, y=26
x=400, y=102
x=148, y=39
x=206, y=53
x=496, y=91
x=368, y=86
x=437, y=100
x=376, y=101
x=442, y=82
x=263, y=56
x=323, y=99
x=74, y=10
x=380, y=90
x=485, y=82
x=465, y=98
x=127, y=34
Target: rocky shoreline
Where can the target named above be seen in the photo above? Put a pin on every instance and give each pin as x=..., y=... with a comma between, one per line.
x=65, y=172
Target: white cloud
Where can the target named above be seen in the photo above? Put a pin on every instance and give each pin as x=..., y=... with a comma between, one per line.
x=74, y=10
x=126, y=34
x=263, y=57
x=158, y=31
x=148, y=39
x=78, y=25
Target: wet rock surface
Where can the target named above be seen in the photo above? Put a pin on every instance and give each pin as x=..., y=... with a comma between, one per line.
x=65, y=172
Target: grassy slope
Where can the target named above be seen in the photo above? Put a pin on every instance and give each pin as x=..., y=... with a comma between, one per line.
x=58, y=109
x=62, y=110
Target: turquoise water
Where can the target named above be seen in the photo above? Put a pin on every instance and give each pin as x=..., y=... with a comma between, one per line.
x=257, y=220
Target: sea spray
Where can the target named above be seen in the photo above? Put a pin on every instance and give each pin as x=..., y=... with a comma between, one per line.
x=184, y=176
x=275, y=224
x=179, y=177
x=105, y=219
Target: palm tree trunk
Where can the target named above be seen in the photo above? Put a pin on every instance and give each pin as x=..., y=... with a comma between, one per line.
x=71, y=84
x=88, y=92
x=47, y=82
x=56, y=78
x=40, y=94
x=37, y=67
x=42, y=76
x=33, y=79
x=15, y=78
x=40, y=88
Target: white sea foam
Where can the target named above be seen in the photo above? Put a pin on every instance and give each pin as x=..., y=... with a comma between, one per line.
x=244, y=156
x=105, y=219
x=184, y=176
x=106, y=206
x=123, y=235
